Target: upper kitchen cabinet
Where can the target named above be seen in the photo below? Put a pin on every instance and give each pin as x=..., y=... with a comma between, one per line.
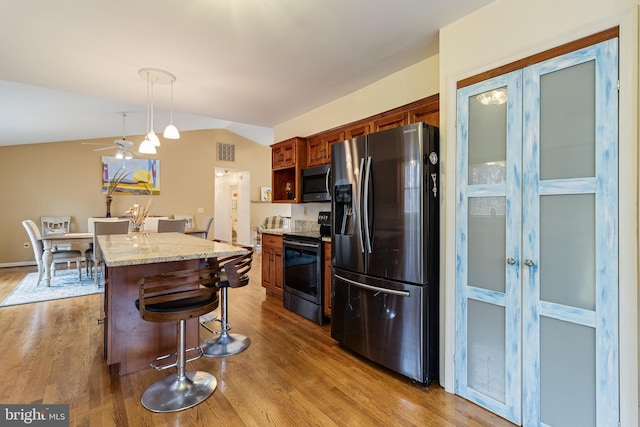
x=283, y=154
x=427, y=112
x=319, y=147
x=288, y=157
x=388, y=121
x=357, y=129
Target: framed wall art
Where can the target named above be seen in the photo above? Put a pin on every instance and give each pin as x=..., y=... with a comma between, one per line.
x=133, y=176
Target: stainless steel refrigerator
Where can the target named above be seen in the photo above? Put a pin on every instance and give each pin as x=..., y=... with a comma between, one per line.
x=385, y=245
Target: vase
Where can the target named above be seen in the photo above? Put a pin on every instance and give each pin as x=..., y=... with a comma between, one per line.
x=109, y=200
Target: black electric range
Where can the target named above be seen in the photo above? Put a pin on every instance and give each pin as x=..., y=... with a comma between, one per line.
x=304, y=236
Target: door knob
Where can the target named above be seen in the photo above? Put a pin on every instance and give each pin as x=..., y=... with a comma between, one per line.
x=528, y=263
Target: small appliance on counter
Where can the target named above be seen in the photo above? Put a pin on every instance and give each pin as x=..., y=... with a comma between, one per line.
x=324, y=219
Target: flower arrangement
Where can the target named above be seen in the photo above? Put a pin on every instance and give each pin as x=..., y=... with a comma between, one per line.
x=137, y=214
x=115, y=181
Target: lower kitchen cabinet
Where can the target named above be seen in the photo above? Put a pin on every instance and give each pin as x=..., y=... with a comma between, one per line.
x=327, y=279
x=272, y=264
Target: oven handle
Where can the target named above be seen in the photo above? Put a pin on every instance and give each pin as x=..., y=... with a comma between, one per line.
x=298, y=244
x=374, y=288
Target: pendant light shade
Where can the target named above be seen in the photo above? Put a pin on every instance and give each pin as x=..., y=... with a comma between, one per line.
x=147, y=147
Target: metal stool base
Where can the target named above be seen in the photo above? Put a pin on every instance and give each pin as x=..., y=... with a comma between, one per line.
x=174, y=394
x=225, y=345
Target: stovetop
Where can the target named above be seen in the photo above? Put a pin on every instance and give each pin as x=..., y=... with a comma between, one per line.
x=303, y=235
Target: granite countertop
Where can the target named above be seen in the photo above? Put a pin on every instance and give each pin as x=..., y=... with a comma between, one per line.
x=147, y=248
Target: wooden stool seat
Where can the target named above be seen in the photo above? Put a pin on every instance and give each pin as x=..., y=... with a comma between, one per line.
x=170, y=297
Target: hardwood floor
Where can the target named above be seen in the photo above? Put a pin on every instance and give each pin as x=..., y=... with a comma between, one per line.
x=293, y=374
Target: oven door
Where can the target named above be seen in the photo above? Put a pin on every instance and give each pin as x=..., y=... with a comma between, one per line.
x=302, y=262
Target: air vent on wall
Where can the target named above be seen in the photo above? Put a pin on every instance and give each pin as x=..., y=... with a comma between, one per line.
x=226, y=152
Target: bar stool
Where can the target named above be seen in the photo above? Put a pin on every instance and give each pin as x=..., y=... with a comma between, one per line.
x=178, y=296
x=235, y=271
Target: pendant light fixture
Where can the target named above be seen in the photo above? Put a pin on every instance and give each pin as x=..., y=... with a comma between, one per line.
x=171, y=131
x=151, y=140
x=146, y=146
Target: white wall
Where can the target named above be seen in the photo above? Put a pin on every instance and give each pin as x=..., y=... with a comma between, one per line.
x=507, y=30
x=410, y=84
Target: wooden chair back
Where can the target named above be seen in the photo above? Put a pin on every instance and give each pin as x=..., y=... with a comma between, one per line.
x=179, y=295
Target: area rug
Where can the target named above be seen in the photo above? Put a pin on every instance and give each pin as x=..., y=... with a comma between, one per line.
x=63, y=285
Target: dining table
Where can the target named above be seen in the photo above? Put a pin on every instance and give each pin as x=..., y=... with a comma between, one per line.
x=129, y=340
x=49, y=241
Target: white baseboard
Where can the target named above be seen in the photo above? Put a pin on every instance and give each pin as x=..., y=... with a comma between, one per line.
x=18, y=264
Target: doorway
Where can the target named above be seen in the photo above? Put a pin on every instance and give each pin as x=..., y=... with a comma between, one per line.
x=232, y=206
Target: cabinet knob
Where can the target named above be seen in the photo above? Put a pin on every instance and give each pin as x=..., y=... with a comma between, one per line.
x=528, y=263
x=511, y=261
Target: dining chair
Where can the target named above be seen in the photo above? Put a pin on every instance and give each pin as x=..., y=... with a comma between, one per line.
x=54, y=225
x=206, y=225
x=189, y=218
x=171, y=225
x=61, y=256
x=102, y=228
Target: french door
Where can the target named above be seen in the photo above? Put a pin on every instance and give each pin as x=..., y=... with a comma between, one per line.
x=537, y=241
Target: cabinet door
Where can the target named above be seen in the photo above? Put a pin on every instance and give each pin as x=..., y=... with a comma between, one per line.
x=488, y=344
x=570, y=239
x=316, y=151
x=537, y=241
x=390, y=121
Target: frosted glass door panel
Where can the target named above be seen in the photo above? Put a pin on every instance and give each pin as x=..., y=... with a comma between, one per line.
x=488, y=320
x=488, y=137
x=486, y=351
x=567, y=250
x=567, y=122
x=487, y=236
x=567, y=374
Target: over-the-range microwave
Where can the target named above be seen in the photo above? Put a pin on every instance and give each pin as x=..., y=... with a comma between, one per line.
x=316, y=184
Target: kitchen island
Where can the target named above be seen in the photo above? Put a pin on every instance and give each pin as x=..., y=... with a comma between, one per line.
x=129, y=340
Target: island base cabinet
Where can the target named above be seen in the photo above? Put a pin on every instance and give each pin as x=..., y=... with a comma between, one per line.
x=128, y=339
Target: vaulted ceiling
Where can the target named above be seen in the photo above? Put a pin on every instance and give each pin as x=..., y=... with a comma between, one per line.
x=69, y=68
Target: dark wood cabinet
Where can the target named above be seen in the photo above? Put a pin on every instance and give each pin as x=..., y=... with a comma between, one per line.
x=272, y=264
x=288, y=158
x=390, y=121
x=327, y=279
x=283, y=154
x=358, y=129
x=316, y=151
x=319, y=147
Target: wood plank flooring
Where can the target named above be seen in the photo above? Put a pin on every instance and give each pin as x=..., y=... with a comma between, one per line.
x=293, y=374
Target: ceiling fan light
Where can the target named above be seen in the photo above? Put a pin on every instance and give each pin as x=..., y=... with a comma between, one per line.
x=171, y=132
x=128, y=155
x=147, y=147
x=120, y=155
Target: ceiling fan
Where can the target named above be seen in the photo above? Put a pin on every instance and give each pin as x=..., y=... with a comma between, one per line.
x=122, y=145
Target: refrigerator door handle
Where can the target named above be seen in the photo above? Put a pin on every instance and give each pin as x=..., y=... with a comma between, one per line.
x=359, y=198
x=374, y=288
x=326, y=181
x=367, y=179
